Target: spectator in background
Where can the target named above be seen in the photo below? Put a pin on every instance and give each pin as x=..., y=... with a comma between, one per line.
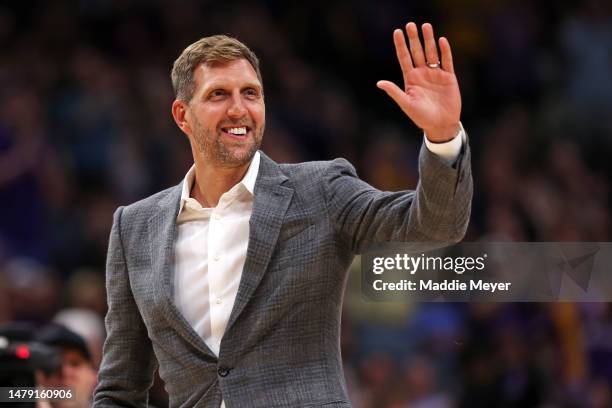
x=77, y=372
x=88, y=325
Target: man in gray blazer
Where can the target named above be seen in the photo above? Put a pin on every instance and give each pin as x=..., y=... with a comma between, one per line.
x=231, y=283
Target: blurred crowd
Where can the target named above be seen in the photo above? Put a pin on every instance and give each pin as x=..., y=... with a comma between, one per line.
x=85, y=126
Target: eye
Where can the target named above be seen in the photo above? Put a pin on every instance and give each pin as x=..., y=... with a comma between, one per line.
x=251, y=93
x=217, y=94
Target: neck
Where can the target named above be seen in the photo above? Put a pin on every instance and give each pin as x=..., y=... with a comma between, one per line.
x=211, y=182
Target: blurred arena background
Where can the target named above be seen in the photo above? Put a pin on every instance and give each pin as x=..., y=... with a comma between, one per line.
x=85, y=126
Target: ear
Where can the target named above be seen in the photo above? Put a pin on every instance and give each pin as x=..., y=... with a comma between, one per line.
x=180, y=113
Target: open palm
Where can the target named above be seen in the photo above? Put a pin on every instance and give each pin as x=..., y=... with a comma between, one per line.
x=431, y=96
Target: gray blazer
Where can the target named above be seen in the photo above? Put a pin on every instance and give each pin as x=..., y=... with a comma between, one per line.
x=281, y=347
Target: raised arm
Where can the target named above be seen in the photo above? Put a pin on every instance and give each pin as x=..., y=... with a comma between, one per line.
x=438, y=210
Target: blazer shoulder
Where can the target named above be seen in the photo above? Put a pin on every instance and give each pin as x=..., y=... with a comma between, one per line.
x=317, y=170
x=145, y=206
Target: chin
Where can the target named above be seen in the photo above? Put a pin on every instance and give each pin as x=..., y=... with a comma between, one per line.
x=236, y=159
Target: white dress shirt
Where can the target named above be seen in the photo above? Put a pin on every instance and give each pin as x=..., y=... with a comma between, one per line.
x=210, y=251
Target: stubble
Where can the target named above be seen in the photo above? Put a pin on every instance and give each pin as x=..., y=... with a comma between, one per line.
x=212, y=146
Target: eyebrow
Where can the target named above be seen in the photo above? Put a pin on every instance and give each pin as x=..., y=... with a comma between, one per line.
x=214, y=86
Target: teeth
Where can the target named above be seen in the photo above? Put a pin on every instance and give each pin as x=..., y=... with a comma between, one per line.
x=238, y=130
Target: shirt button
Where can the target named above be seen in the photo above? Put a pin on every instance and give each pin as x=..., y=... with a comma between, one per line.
x=216, y=217
x=216, y=258
x=219, y=301
x=223, y=371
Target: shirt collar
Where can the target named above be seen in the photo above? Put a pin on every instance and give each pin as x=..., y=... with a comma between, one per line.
x=248, y=181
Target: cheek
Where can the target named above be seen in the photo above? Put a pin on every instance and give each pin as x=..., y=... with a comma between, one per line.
x=206, y=123
x=210, y=116
x=259, y=113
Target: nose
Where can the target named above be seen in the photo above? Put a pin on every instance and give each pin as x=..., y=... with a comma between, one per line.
x=237, y=108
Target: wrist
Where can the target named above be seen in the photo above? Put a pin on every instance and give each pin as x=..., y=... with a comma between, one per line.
x=442, y=135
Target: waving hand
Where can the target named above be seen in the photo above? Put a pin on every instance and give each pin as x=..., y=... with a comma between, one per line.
x=431, y=96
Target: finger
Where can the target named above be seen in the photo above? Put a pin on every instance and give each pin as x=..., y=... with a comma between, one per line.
x=415, y=45
x=403, y=56
x=394, y=92
x=447, y=56
x=431, y=51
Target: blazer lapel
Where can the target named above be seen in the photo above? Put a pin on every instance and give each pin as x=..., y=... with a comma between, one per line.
x=270, y=204
x=162, y=234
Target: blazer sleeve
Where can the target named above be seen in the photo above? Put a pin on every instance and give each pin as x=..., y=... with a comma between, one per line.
x=128, y=362
x=438, y=211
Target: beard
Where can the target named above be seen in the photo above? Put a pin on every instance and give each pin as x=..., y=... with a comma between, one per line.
x=213, y=146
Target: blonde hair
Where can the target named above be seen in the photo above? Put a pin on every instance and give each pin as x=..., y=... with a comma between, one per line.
x=208, y=51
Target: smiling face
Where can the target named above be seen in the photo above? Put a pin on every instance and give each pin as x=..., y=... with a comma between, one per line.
x=225, y=118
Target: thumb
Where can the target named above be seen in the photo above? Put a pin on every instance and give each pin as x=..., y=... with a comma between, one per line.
x=393, y=91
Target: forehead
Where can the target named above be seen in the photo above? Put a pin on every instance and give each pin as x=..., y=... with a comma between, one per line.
x=231, y=73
